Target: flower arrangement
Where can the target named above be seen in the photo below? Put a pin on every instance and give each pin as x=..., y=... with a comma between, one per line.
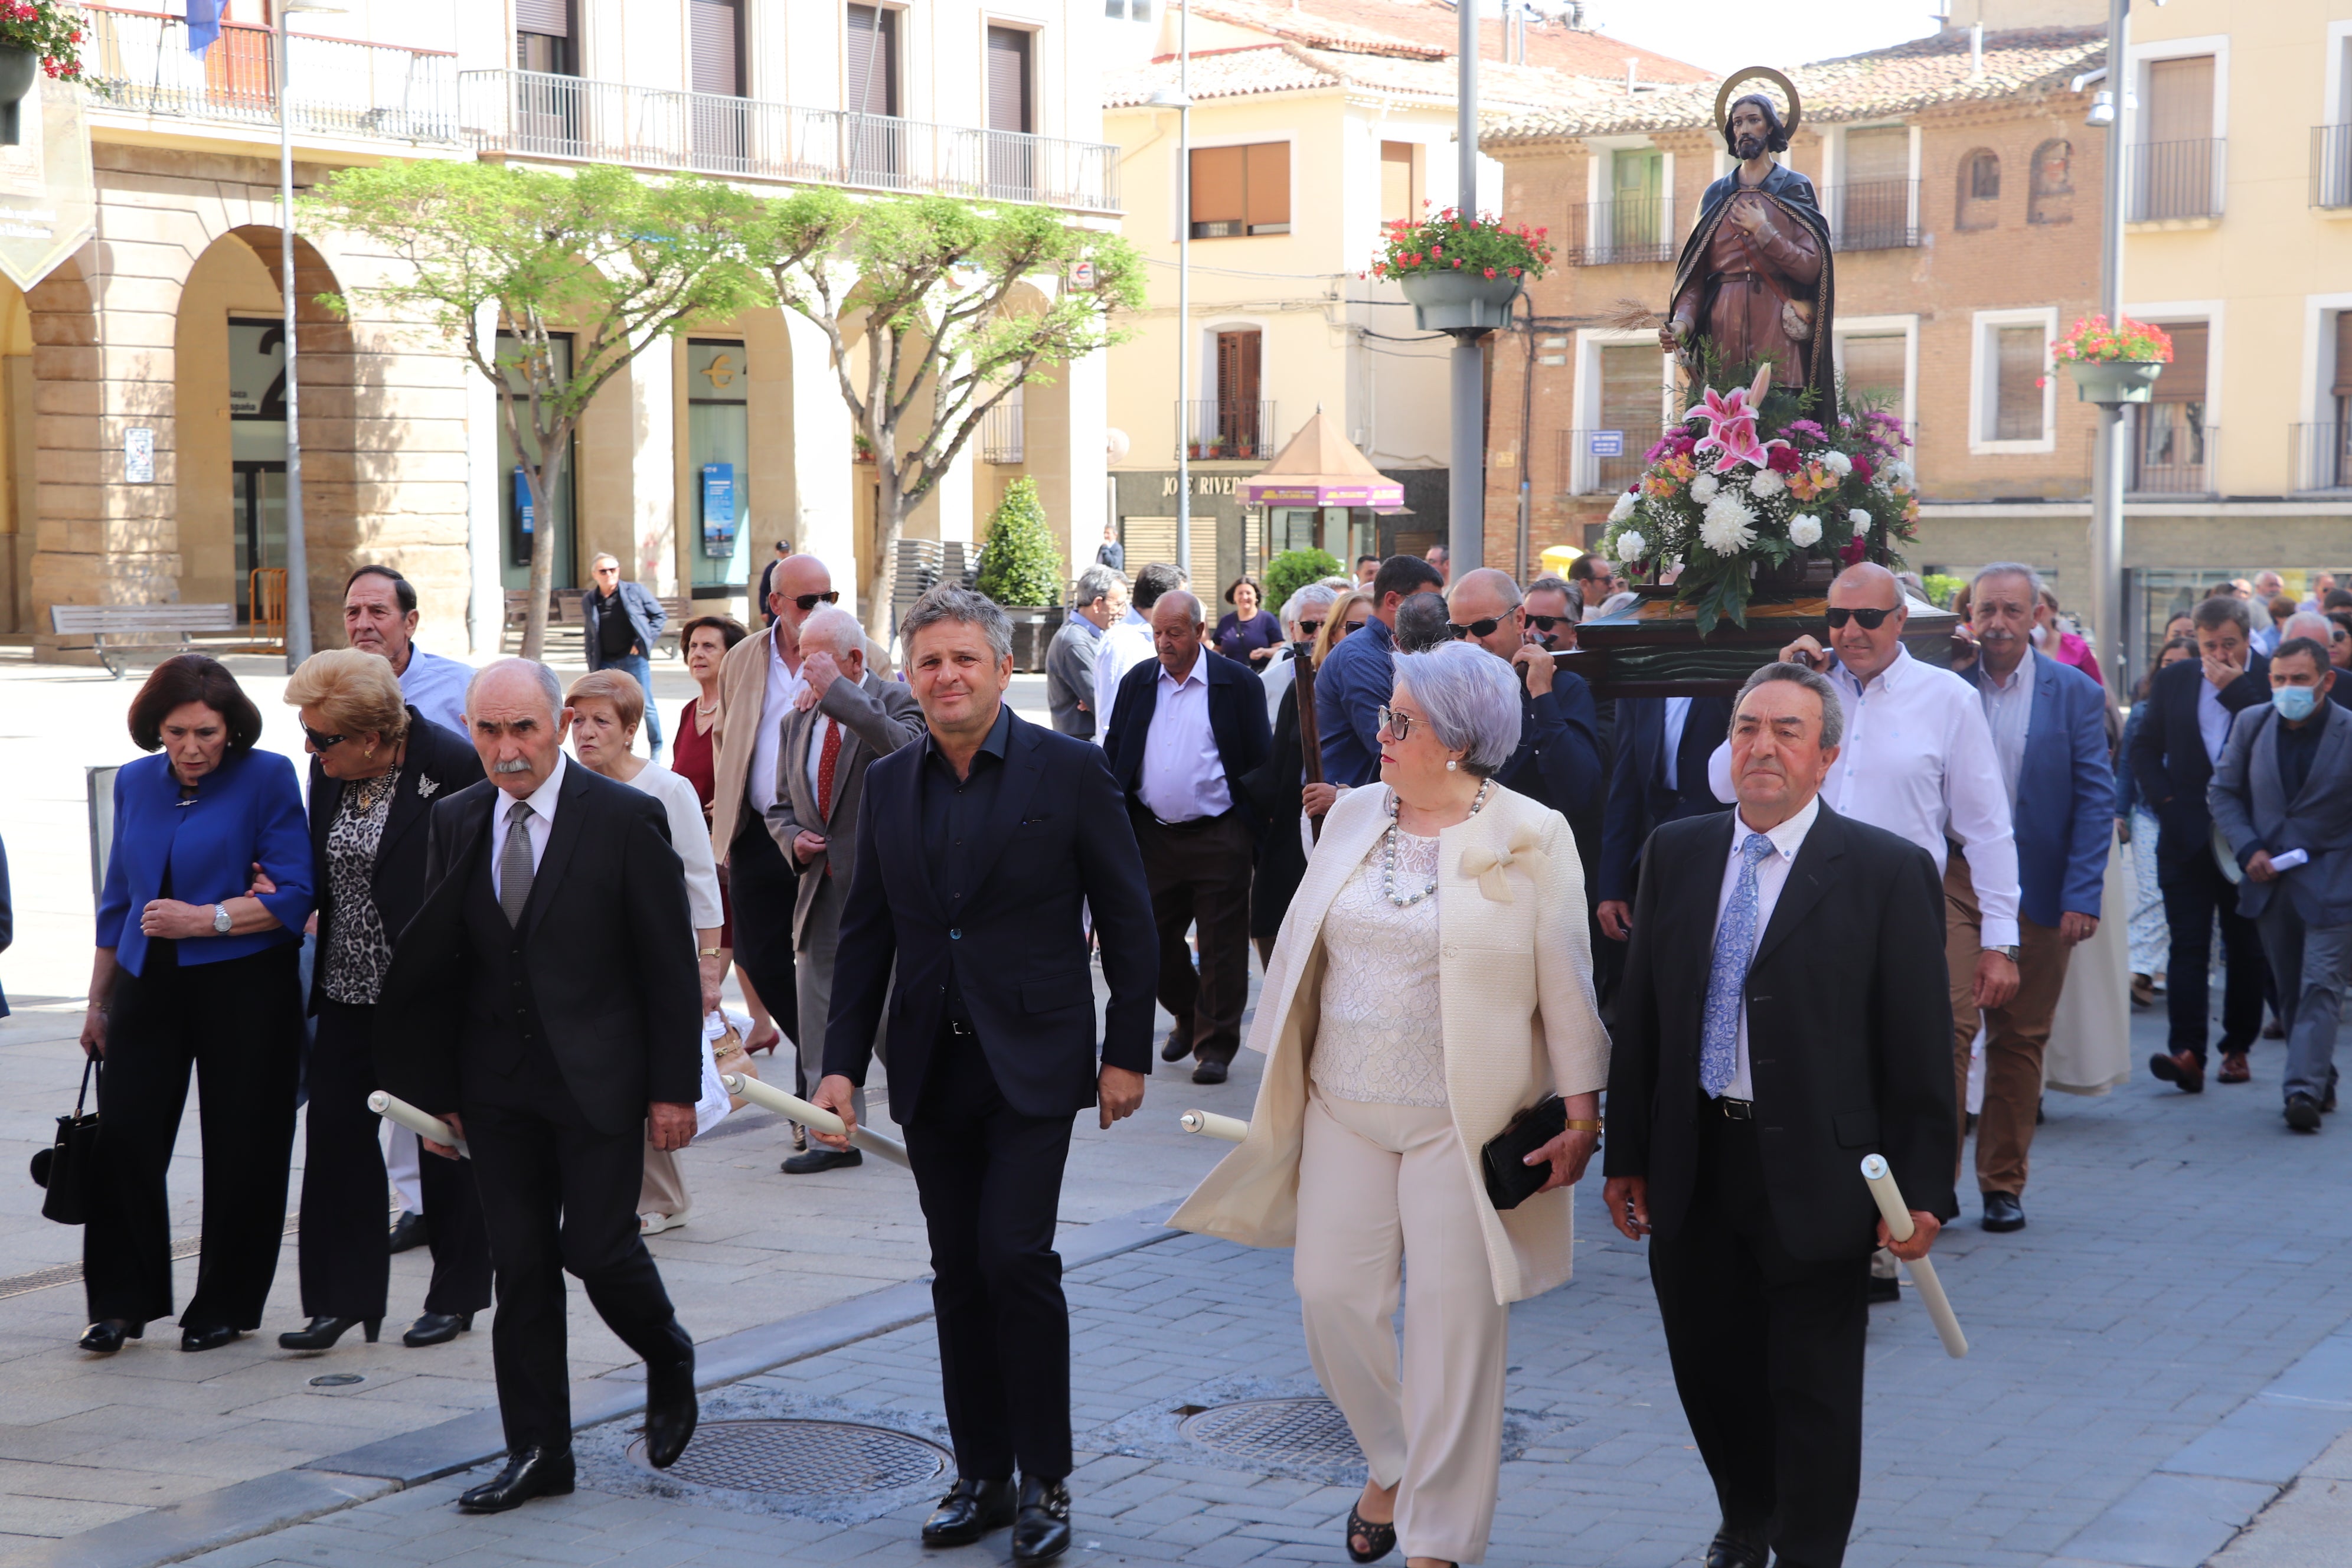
x=2091, y=339
x=49, y=29
x=1454, y=241
x=1730, y=492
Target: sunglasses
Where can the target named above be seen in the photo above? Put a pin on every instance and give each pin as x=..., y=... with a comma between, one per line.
x=1396, y=723
x=1546, y=623
x=808, y=601
x=1484, y=627
x=322, y=742
x=1308, y=629
x=1357, y=625
x=1871, y=619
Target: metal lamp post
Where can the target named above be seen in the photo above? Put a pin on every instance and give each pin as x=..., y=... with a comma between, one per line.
x=297, y=554
x=2110, y=476
x=1465, y=527
x=1180, y=100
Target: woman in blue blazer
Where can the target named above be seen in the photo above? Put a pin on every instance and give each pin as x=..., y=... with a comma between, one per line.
x=193, y=971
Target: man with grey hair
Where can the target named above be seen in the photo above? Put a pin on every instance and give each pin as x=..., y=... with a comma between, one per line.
x=845, y=716
x=1420, y=623
x=1098, y=600
x=1737, y=1111
x=1306, y=603
x=1127, y=641
x=2328, y=635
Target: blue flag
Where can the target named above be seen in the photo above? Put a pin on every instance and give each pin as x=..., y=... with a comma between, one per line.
x=203, y=23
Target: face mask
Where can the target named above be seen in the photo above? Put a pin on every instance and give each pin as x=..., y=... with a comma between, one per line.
x=2295, y=703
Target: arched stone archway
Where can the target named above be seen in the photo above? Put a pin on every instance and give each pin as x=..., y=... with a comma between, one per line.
x=87, y=549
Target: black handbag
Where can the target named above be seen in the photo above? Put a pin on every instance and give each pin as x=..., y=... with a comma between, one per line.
x=1511, y=1181
x=65, y=1167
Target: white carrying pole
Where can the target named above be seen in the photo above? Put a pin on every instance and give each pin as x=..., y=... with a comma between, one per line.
x=1209, y=1124
x=424, y=1124
x=1897, y=1214
x=767, y=1096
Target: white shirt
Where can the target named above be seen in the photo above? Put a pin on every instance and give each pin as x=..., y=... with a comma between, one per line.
x=1275, y=676
x=817, y=759
x=1771, y=875
x=1125, y=643
x=435, y=687
x=690, y=836
x=1677, y=716
x=542, y=802
x=1917, y=761
x=1183, y=777
x=785, y=685
x=2009, y=713
x=2212, y=720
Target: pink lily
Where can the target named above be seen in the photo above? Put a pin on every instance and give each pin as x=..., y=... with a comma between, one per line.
x=1731, y=425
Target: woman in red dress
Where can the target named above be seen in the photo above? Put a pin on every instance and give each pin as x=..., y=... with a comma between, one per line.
x=694, y=756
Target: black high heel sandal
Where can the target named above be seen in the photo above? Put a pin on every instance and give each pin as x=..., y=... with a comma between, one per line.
x=106, y=1336
x=1383, y=1538
x=322, y=1332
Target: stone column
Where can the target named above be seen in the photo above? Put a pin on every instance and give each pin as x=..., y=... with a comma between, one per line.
x=1065, y=427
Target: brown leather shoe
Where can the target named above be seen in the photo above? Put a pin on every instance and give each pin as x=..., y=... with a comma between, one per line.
x=2234, y=1068
x=2181, y=1067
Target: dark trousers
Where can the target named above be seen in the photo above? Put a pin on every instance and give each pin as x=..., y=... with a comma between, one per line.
x=641, y=668
x=1200, y=876
x=990, y=1184
x=559, y=1197
x=764, y=889
x=2194, y=892
x=239, y=1025
x=345, y=1256
x=1768, y=1355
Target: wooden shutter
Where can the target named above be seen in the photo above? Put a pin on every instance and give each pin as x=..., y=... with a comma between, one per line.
x=716, y=30
x=1266, y=181
x=1237, y=366
x=1150, y=540
x=1008, y=80
x=1216, y=191
x=1630, y=393
x=2342, y=387
x=872, y=84
x=549, y=18
x=1397, y=198
x=2181, y=100
x=2183, y=380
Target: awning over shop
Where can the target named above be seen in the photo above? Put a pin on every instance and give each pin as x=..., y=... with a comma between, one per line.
x=1321, y=467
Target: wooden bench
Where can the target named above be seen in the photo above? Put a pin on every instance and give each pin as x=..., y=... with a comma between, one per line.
x=115, y=629
x=564, y=612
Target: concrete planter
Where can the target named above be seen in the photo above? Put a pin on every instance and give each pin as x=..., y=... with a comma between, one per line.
x=1459, y=301
x=2112, y=382
x=1033, y=633
x=20, y=69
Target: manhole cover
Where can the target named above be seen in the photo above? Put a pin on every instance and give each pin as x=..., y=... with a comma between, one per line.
x=1276, y=1431
x=337, y=1380
x=806, y=1458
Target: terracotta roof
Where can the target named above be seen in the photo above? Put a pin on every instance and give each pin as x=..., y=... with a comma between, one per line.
x=1399, y=26
x=1899, y=80
x=1294, y=67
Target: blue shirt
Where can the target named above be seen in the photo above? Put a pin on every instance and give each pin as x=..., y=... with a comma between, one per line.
x=1356, y=678
x=435, y=687
x=248, y=810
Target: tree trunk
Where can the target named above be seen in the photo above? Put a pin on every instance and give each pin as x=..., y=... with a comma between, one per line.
x=541, y=476
x=889, y=524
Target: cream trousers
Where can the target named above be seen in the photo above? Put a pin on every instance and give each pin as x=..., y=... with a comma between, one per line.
x=1378, y=1184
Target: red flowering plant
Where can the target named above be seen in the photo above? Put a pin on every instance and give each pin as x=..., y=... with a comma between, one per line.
x=2091, y=337
x=1452, y=241
x=49, y=29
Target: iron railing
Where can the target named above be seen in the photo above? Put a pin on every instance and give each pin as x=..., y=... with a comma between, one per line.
x=139, y=60
x=540, y=115
x=2174, y=179
x=1227, y=429
x=2171, y=453
x=1631, y=228
x=2331, y=165
x=1873, y=215
x=2320, y=456
x=1000, y=435
x=1586, y=465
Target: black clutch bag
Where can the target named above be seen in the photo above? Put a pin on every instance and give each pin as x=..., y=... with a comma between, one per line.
x=64, y=1168
x=1511, y=1181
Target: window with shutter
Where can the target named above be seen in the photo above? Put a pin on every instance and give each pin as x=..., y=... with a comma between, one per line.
x=2342, y=387
x=2018, y=370
x=2183, y=380
x=1398, y=199
x=1008, y=80
x=1266, y=178
x=1238, y=430
x=544, y=36
x=549, y=18
x=717, y=39
x=2180, y=99
x=872, y=84
x=1241, y=189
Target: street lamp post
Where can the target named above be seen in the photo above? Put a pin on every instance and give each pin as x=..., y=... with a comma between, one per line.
x=297, y=554
x=1465, y=528
x=2110, y=472
x=1180, y=100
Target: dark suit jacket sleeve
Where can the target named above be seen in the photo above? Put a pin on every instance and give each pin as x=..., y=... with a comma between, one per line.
x=2251, y=689
x=8, y=913
x=1127, y=735
x=1633, y=1044
x=655, y=617
x=1258, y=730
x=1918, y=1120
x=2148, y=739
x=869, y=939
x=1566, y=729
x=2095, y=802
x=416, y=1029
x=1620, y=821
x=1272, y=796
x=660, y=931
x=884, y=723
x=1110, y=868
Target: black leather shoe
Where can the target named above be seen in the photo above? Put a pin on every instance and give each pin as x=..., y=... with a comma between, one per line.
x=2302, y=1113
x=208, y=1339
x=437, y=1329
x=409, y=1230
x=670, y=1409
x=1176, y=1047
x=105, y=1336
x=530, y=1473
x=1041, y=1530
x=821, y=1159
x=969, y=1510
x=1209, y=1072
x=1888, y=1289
x=2003, y=1212
x=1729, y=1550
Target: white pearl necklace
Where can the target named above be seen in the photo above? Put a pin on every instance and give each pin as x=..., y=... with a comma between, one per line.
x=1389, y=852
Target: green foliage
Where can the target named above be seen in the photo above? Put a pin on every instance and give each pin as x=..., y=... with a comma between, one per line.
x=1020, y=565
x=1293, y=570
x=51, y=30
x=1941, y=588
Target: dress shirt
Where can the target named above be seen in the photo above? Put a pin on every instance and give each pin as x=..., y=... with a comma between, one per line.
x=1917, y=761
x=1183, y=777
x=2265, y=641
x=542, y=802
x=1669, y=754
x=2009, y=713
x=1125, y=643
x=2212, y=721
x=1771, y=875
x=785, y=685
x=955, y=814
x=435, y=687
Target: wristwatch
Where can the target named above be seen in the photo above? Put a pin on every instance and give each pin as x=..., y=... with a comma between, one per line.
x=2008, y=953
x=221, y=923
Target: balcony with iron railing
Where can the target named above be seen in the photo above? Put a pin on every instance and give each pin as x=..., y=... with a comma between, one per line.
x=1873, y=215
x=2331, y=165
x=1630, y=228
x=140, y=61
x=1226, y=429
x=535, y=115
x=2319, y=456
x=2172, y=453
x=2174, y=181
x=1001, y=435
x=1603, y=461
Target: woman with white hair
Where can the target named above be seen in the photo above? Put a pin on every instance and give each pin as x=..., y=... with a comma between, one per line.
x=1432, y=983
x=1302, y=617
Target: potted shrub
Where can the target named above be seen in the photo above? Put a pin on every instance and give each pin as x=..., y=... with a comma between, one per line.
x=1292, y=570
x=2114, y=365
x=1021, y=569
x=1460, y=271
x=36, y=38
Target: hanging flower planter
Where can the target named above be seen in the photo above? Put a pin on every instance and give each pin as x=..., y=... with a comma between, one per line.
x=2113, y=382
x=1459, y=301
x=36, y=37
x=2114, y=365
x=1460, y=271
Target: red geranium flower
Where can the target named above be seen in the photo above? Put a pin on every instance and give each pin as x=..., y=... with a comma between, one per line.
x=1783, y=459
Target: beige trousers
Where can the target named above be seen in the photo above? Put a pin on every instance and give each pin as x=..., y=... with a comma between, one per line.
x=1378, y=1184
x=665, y=1185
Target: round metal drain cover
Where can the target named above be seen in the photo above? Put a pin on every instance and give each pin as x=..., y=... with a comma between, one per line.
x=337, y=1380
x=1277, y=1431
x=806, y=1458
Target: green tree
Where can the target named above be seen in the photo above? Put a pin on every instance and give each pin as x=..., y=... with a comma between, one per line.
x=1020, y=565
x=501, y=260
x=939, y=291
x=1294, y=569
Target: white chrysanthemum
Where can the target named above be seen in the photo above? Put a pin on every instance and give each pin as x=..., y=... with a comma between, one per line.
x=1728, y=527
x=1624, y=506
x=1897, y=475
x=1837, y=463
x=1630, y=545
x=1764, y=484
x=1804, y=529
x=1859, y=517
x=1704, y=489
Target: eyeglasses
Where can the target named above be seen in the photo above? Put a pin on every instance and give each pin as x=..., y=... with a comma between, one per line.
x=1308, y=629
x=1871, y=619
x=608, y=571
x=1395, y=723
x=1483, y=628
x=322, y=742
x=1546, y=623
x=808, y=601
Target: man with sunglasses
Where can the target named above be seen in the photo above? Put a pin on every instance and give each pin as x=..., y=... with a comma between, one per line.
x=1550, y=612
x=1559, y=759
x=619, y=624
x=1595, y=580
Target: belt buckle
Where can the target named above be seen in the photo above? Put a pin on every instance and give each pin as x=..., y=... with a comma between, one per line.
x=1736, y=1109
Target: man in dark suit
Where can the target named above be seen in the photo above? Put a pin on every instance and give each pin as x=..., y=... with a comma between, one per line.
x=1189, y=725
x=545, y=1003
x=977, y=848
x=1659, y=775
x=2174, y=752
x=1559, y=759
x=1740, y=1113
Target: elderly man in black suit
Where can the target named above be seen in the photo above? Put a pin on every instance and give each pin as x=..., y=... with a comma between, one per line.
x=1740, y=1113
x=978, y=847
x=546, y=1004
x=2177, y=745
x=1189, y=727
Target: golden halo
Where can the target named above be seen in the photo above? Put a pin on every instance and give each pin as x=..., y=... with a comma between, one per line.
x=1749, y=73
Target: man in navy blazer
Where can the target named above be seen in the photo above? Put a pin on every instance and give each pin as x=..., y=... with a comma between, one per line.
x=1658, y=776
x=2179, y=744
x=978, y=846
x=1188, y=728
x=2049, y=724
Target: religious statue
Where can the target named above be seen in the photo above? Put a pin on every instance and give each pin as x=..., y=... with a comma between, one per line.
x=1754, y=282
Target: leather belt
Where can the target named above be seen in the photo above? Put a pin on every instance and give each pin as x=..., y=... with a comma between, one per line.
x=1192, y=825
x=1735, y=1109
x=1742, y=277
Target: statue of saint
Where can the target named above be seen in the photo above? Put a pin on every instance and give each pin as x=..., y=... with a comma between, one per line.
x=1754, y=278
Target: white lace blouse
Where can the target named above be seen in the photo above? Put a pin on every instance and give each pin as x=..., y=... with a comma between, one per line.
x=1382, y=1039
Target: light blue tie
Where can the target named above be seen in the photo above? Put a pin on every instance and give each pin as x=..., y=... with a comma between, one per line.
x=1727, y=981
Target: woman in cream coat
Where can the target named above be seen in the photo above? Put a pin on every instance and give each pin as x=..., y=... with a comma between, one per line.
x=1431, y=981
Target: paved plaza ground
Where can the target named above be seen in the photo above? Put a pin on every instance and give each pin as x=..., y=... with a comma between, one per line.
x=2164, y=1357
